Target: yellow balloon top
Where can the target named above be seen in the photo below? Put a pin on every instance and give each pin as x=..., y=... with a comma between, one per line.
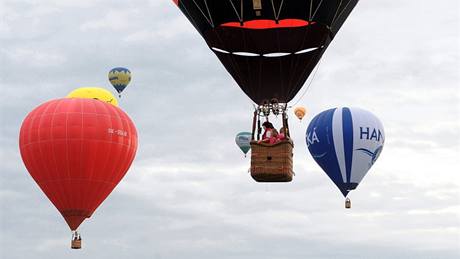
x=94, y=93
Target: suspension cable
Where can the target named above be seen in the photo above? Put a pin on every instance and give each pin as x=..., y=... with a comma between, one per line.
x=343, y=10
x=317, y=8
x=309, y=84
x=209, y=19
x=209, y=12
x=275, y=13
x=336, y=12
x=240, y=17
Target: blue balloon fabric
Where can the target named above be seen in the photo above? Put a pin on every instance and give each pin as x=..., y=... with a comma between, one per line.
x=345, y=142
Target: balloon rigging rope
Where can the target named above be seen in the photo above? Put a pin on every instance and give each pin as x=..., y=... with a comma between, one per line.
x=209, y=19
x=277, y=14
x=240, y=18
x=337, y=11
x=309, y=84
x=339, y=16
x=306, y=89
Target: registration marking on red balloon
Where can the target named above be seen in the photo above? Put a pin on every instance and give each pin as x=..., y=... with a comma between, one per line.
x=119, y=132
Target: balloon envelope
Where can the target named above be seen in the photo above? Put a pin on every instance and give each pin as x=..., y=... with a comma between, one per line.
x=300, y=112
x=120, y=77
x=345, y=142
x=97, y=93
x=270, y=47
x=243, y=140
x=77, y=150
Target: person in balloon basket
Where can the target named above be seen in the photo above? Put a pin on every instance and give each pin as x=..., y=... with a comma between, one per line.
x=270, y=134
x=282, y=135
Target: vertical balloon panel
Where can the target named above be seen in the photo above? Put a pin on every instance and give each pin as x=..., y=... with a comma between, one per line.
x=369, y=138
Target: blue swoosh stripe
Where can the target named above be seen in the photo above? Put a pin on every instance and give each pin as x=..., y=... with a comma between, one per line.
x=347, y=126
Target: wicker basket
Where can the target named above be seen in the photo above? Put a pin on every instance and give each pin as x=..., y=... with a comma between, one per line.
x=347, y=204
x=272, y=163
x=76, y=244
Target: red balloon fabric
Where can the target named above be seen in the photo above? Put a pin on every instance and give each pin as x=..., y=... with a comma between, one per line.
x=77, y=150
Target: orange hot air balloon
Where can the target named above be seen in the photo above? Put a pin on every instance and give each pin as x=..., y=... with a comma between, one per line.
x=300, y=112
x=77, y=150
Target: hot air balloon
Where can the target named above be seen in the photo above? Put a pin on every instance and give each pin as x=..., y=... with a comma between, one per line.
x=269, y=47
x=243, y=140
x=77, y=150
x=97, y=93
x=345, y=142
x=300, y=112
x=119, y=77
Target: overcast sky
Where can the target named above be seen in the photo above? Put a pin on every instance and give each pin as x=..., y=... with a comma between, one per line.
x=188, y=193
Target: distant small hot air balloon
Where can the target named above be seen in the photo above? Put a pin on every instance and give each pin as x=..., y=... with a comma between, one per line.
x=300, y=112
x=77, y=150
x=97, y=93
x=345, y=142
x=120, y=77
x=243, y=140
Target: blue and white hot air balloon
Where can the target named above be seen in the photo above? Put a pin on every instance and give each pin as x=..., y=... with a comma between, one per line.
x=345, y=142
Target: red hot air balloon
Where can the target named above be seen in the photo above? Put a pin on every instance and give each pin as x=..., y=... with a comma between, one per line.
x=77, y=150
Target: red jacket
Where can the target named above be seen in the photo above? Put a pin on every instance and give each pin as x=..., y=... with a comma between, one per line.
x=269, y=136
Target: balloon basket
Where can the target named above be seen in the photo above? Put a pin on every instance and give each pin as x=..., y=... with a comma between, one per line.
x=76, y=241
x=272, y=163
x=347, y=203
x=76, y=244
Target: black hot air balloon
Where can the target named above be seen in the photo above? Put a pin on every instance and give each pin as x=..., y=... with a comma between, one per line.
x=270, y=47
